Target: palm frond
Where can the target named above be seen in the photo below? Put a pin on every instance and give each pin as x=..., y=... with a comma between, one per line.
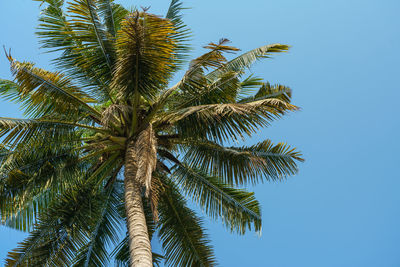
x=194, y=80
x=238, y=209
x=105, y=168
x=222, y=90
x=248, y=85
x=30, y=182
x=61, y=231
x=225, y=121
x=182, y=33
x=240, y=63
x=44, y=92
x=54, y=31
x=9, y=90
x=145, y=55
x=181, y=232
x=89, y=29
x=212, y=59
x=267, y=91
x=121, y=253
x=104, y=233
x=240, y=165
x=16, y=131
x=105, y=10
x=174, y=11
x=77, y=60
x=112, y=14
x=32, y=175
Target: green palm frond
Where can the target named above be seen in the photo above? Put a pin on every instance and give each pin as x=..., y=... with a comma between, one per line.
x=241, y=165
x=56, y=34
x=54, y=31
x=105, y=10
x=181, y=233
x=240, y=63
x=248, y=85
x=174, y=12
x=279, y=160
x=32, y=175
x=194, y=78
x=49, y=92
x=182, y=33
x=113, y=14
x=105, y=169
x=61, y=231
x=268, y=91
x=238, y=209
x=145, y=55
x=222, y=90
x=10, y=91
x=157, y=259
x=31, y=178
x=104, y=233
x=77, y=224
x=88, y=28
x=121, y=253
x=16, y=131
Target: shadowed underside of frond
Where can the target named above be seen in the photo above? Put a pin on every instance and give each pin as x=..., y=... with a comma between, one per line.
x=181, y=233
x=56, y=238
x=237, y=208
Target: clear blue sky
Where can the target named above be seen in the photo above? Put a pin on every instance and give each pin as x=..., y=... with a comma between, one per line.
x=342, y=209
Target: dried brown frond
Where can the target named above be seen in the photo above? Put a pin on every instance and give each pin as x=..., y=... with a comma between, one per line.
x=157, y=188
x=146, y=154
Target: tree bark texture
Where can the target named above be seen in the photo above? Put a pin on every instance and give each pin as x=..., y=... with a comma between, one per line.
x=139, y=242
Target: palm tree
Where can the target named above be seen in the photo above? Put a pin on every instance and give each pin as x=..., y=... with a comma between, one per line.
x=107, y=142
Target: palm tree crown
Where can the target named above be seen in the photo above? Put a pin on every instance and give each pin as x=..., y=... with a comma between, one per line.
x=107, y=142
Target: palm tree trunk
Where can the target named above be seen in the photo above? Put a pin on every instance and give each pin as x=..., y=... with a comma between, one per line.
x=139, y=243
